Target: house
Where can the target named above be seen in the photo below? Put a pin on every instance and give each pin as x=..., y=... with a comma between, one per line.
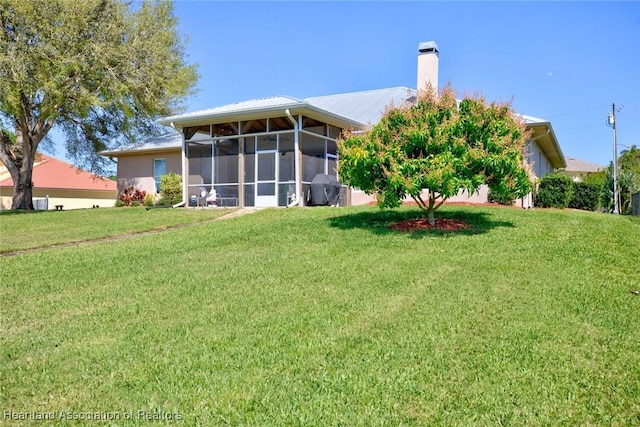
x=59, y=183
x=577, y=168
x=266, y=152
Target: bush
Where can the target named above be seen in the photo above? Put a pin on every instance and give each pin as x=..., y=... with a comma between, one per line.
x=505, y=199
x=585, y=196
x=625, y=189
x=554, y=191
x=120, y=203
x=597, y=178
x=130, y=195
x=170, y=189
x=148, y=200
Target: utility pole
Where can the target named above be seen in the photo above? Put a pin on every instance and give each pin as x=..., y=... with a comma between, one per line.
x=611, y=121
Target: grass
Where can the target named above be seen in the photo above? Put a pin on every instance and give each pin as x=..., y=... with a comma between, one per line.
x=324, y=317
x=21, y=230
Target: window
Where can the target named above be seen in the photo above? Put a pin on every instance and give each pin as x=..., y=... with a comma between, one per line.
x=159, y=169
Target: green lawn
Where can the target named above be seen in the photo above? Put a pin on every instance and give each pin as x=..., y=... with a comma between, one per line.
x=321, y=317
x=20, y=230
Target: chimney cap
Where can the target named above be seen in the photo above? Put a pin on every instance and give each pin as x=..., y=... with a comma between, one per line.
x=428, y=47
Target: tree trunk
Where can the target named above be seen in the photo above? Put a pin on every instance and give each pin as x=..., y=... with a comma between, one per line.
x=432, y=218
x=23, y=186
x=432, y=208
x=19, y=157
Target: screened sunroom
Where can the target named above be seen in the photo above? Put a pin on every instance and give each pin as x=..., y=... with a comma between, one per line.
x=255, y=162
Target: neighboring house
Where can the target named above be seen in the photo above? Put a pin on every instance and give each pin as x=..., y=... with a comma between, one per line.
x=266, y=152
x=577, y=168
x=60, y=183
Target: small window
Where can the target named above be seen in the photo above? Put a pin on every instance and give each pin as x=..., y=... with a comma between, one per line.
x=159, y=169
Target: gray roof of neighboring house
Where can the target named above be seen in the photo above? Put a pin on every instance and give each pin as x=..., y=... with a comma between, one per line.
x=577, y=165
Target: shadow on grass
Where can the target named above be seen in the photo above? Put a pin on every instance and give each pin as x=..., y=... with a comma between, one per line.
x=8, y=212
x=378, y=221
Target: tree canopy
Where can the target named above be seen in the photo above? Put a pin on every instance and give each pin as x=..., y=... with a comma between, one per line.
x=98, y=70
x=440, y=145
x=629, y=161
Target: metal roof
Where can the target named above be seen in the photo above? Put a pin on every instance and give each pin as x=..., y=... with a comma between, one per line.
x=364, y=107
x=359, y=109
x=531, y=119
x=238, y=107
x=167, y=141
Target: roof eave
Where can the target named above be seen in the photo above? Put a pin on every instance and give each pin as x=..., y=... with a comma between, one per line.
x=335, y=119
x=273, y=111
x=548, y=143
x=182, y=121
x=149, y=150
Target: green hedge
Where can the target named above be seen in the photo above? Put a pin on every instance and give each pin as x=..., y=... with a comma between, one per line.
x=585, y=196
x=554, y=191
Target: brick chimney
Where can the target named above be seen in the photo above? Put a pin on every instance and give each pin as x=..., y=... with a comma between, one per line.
x=428, y=58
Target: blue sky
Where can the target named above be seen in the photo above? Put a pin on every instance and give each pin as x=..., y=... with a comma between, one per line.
x=562, y=61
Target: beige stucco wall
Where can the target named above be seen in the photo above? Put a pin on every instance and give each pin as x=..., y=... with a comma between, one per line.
x=137, y=170
x=70, y=199
x=575, y=176
x=358, y=197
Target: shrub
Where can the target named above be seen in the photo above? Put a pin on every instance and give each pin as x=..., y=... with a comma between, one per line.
x=170, y=189
x=585, y=196
x=597, y=178
x=134, y=203
x=148, y=200
x=625, y=189
x=554, y=191
x=131, y=194
x=495, y=196
x=120, y=203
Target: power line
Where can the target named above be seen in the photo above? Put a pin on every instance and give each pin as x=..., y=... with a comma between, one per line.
x=580, y=127
x=580, y=111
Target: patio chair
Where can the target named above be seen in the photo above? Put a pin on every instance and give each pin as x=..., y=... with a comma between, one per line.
x=211, y=198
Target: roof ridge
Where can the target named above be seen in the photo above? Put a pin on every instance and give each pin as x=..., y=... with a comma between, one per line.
x=360, y=91
x=266, y=97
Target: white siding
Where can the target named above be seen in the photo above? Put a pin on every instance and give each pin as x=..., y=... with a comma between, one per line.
x=535, y=156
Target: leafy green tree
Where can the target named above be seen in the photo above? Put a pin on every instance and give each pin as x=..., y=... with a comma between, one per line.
x=97, y=70
x=629, y=161
x=441, y=145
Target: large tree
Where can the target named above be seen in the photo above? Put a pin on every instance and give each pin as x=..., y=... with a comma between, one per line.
x=439, y=144
x=98, y=70
x=629, y=161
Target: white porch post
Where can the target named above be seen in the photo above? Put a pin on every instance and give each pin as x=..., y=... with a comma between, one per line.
x=296, y=148
x=185, y=172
